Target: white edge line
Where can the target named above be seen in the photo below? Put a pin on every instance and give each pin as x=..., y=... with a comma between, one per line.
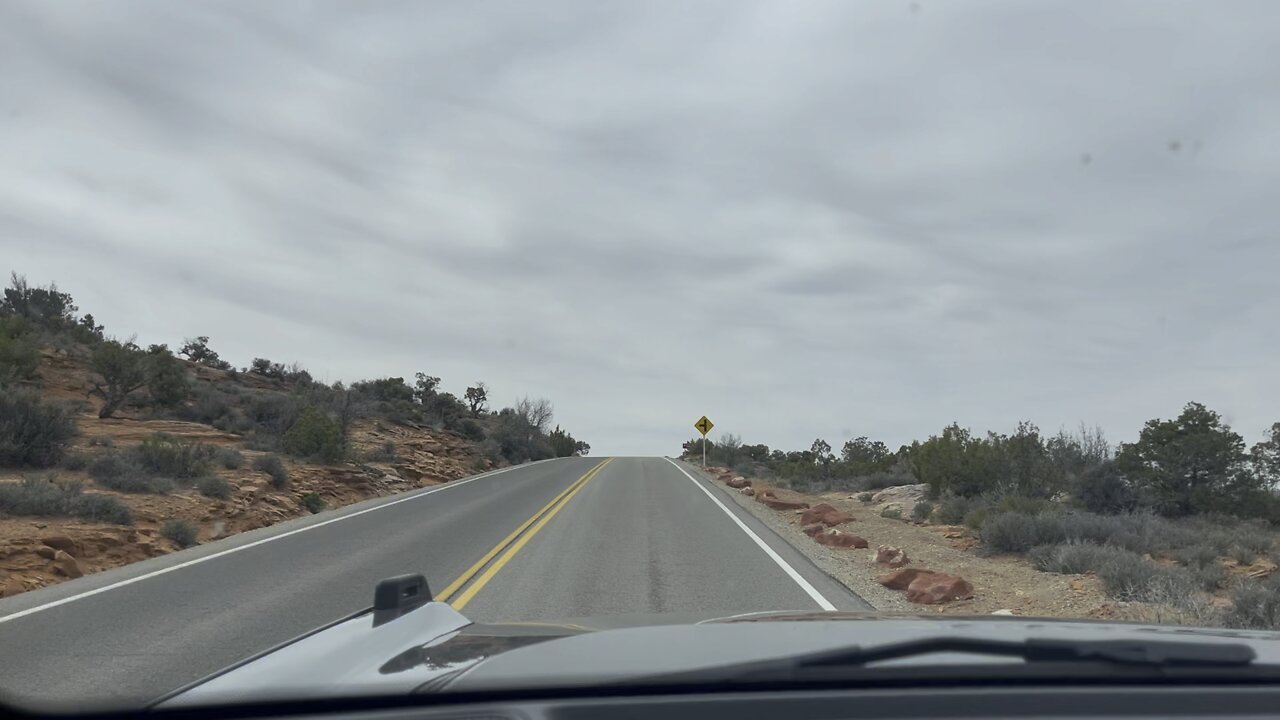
x=824, y=603
x=246, y=546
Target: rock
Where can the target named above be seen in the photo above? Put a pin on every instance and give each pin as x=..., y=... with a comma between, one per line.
x=825, y=514
x=891, y=556
x=938, y=588
x=1003, y=612
x=904, y=496
x=737, y=482
x=813, y=530
x=748, y=491
x=902, y=579
x=835, y=538
x=46, y=552
x=66, y=565
x=61, y=542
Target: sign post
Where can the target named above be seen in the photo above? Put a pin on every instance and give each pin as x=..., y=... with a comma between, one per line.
x=704, y=426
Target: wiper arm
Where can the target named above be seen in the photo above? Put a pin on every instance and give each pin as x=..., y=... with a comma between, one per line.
x=1155, y=654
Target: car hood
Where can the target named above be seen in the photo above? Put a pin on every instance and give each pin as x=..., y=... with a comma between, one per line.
x=436, y=649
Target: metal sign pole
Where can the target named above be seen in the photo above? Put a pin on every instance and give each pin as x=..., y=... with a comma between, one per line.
x=704, y=452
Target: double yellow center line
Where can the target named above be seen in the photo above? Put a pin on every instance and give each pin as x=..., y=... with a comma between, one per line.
x=512, y=544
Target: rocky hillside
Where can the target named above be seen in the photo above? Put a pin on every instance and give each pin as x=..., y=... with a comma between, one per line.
x=37, y=551
x=112, y=453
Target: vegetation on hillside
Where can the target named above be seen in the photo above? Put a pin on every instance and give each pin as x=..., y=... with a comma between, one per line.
x=272, y=407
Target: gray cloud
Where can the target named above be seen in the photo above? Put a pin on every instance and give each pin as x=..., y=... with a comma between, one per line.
x=803, y=219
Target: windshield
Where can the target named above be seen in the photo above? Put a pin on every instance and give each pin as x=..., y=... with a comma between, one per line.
x=607, y=315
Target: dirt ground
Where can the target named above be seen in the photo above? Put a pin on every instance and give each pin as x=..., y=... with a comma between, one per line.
x=1006, y=583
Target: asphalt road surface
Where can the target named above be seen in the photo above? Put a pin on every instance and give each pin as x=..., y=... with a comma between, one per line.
x=583, y=539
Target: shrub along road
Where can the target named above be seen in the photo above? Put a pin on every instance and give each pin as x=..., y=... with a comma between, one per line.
x=560, y=539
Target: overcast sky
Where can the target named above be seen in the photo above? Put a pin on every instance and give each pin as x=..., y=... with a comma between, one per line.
x=802, y=219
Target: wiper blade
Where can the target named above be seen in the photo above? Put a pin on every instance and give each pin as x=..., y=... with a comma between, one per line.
x=1162, y=653
x=1153, y=654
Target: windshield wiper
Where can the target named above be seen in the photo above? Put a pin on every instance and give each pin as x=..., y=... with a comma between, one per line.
x=1160, y=655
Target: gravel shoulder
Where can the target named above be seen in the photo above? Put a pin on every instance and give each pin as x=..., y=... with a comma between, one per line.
x=1001, y=582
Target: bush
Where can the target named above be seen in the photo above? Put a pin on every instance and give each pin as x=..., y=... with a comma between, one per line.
x=116, y=471
x=1257, y=541
x=75, y=461
x=471, y=430
x=892, y=513
x=19, y=356
x=313, y=502
x=1196, y=556
x=1210, y=577
x=922, y=510
x=976, y=518
x=1125, y=575
x=314, y=435
x=33, y=433
x=46, y=496
x=273, y=466
x=1255, y=605
x=952, y=509
x=1243, y=555
x=228, y=457
x=167, y=455
x=1102, y=489
x=180, y=532
x=214, y=487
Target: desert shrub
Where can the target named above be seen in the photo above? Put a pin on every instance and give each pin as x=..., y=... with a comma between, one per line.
x=1255, y=540
x=897, y=475
x=180, y=532
x=166, y=377
x=866, y=497
x=209, y=405
x=952, y=509
x=228, y=457
x=1019, y=532
x=922, y=510
x=314, y=435
x=1242, y=554
x=47, y=496
x=1072, y=558
x=1209, y=577
x=976, y=518
x=892, y=513
x=273, y=466
x=19, y=354
x=214, y=487
x=171, y=456
x=1196, y=556
x=1255, y=604
x=1023, y=504
x=33, y=433
x=313, y=502
x=75, y=460
x=122, y=473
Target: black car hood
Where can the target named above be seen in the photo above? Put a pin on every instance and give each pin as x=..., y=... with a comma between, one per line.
x=436, y=649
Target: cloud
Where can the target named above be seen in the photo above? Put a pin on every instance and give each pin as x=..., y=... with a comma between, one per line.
x=802, y=219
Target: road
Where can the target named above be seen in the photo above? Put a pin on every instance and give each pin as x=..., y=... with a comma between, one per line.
x=563, y=539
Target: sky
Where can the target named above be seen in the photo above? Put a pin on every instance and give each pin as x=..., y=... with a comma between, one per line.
x=803, y=219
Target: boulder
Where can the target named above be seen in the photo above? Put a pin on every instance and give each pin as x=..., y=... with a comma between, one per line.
x=902, y=579
x=748, y=491
x=938, y=588
x=825, y=514
x=835, y=538
x=813, y=530
x=737, y=482
x=66, y=565
x=61, y=542
x=46, y=552
x=904, y=496
x=891, y=556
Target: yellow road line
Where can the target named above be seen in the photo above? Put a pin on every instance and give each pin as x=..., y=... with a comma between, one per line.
x=453, y=587
x=484, y=579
